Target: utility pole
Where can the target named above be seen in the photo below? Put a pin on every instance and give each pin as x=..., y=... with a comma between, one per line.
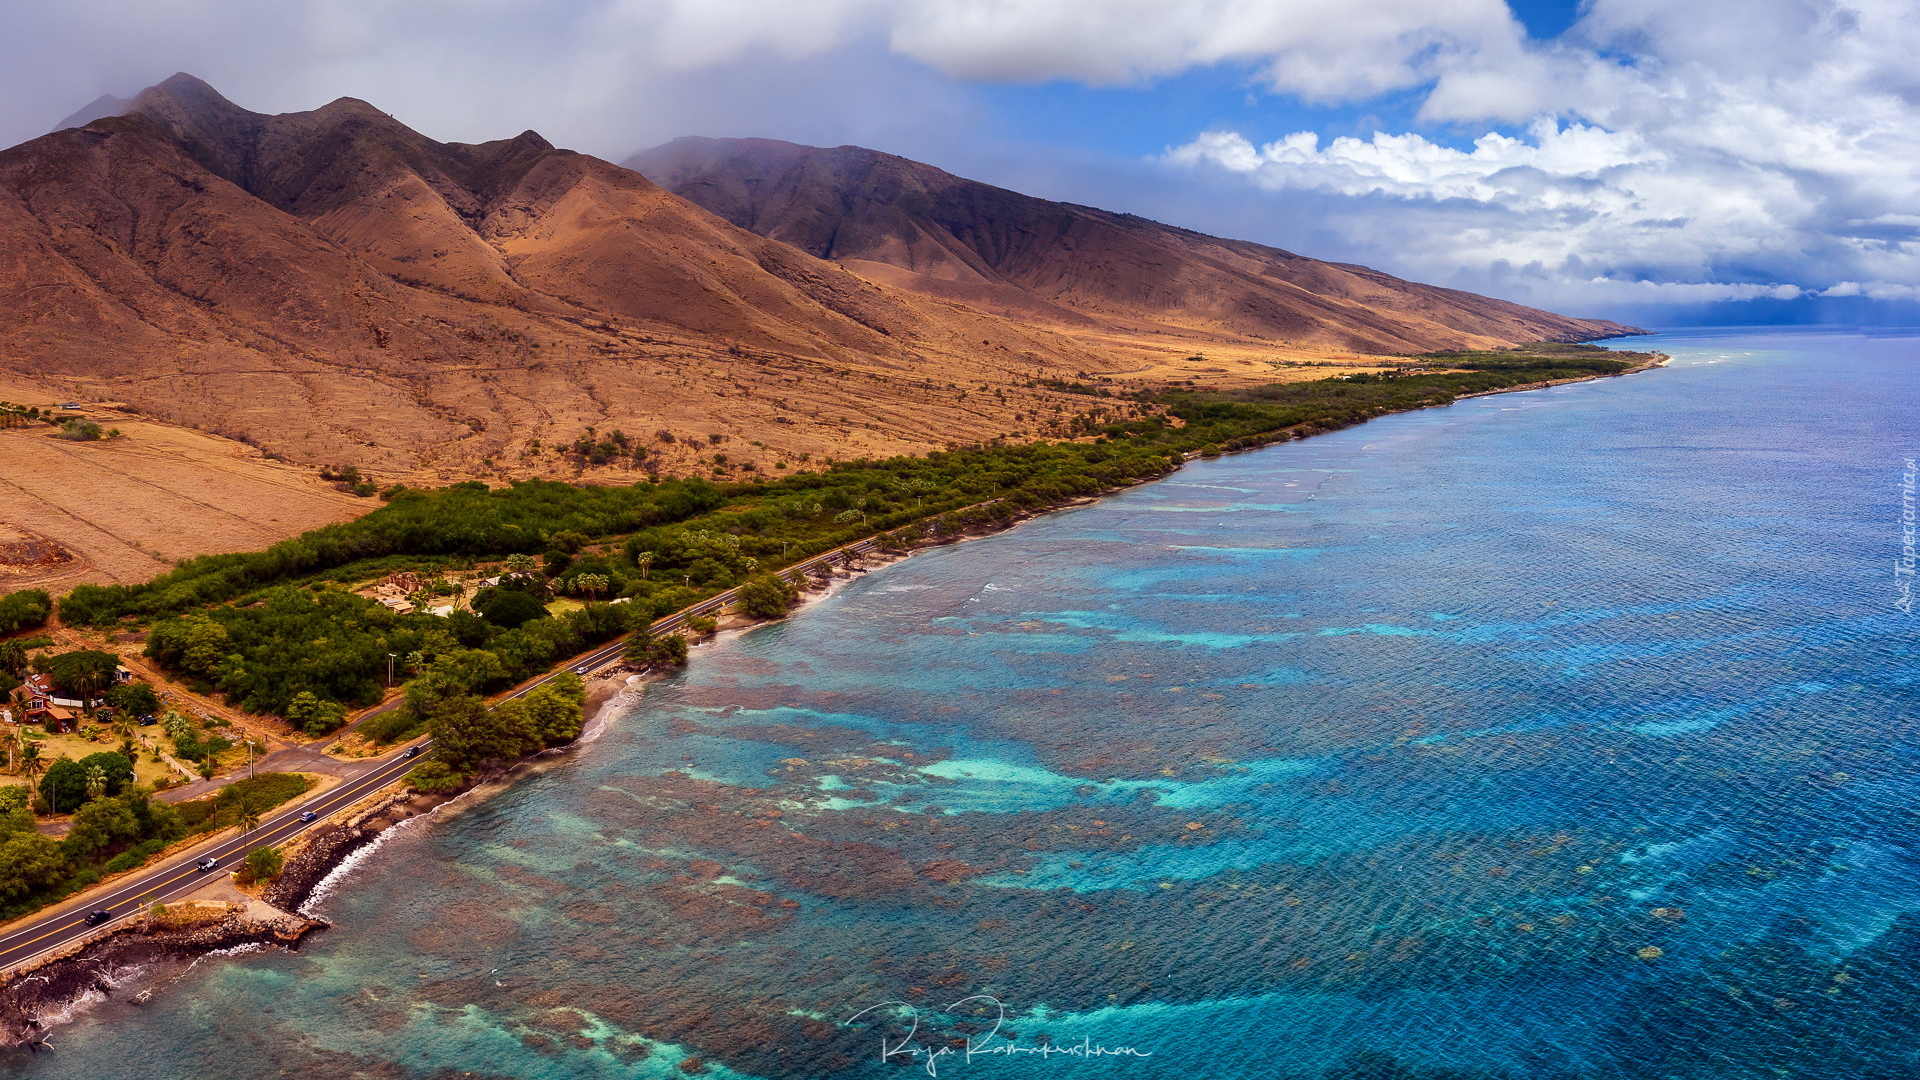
x=390, y=657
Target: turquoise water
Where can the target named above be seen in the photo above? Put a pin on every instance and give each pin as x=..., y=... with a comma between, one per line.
x=1550, y=735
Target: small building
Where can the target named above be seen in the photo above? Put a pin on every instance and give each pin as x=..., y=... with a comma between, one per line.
x=33, y=700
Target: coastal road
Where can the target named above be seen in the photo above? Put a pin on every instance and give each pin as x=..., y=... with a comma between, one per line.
x=178, y=876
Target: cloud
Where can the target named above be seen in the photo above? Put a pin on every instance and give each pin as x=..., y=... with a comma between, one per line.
x=1763, y=144
x=1320, y=49
x=1737, y=145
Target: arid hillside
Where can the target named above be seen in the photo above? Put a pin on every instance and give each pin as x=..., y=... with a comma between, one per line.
x=127, y=508
x=334, y=288
x=913, y=226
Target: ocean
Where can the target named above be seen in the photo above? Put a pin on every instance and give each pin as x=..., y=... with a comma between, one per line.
x=1559, y=734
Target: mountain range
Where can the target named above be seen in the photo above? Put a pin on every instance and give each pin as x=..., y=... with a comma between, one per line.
x=334, y=287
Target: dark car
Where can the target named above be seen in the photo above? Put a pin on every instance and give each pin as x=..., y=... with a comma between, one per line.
x=412, y=751
x=95, y=918
x=149, y=720
x=308, y=815
x=209, y=863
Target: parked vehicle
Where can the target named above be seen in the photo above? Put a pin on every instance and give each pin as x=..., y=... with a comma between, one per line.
x=95, y=918
x=149, y=720
x=209, y=863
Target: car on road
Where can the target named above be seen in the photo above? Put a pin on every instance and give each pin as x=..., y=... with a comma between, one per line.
x=412, y=751
x=95, y=918
x=308, y=816
x=581, y=670
x=208, y=863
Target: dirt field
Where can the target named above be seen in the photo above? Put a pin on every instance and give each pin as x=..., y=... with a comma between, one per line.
x=128, y=508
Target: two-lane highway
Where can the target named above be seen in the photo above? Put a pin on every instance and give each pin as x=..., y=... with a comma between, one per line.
x=180, y=875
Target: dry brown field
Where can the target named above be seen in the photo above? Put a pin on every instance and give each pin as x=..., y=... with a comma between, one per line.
x=126, y=509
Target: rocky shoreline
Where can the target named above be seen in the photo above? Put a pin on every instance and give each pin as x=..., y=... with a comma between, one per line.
x=98, y=966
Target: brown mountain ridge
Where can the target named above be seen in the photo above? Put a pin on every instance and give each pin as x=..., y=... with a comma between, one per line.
x=913, y=226
x=333, y=287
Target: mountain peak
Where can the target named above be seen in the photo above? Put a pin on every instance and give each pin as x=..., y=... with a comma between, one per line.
x=181, y=90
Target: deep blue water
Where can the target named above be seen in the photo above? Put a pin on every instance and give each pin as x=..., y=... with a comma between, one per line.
x=1549, y=735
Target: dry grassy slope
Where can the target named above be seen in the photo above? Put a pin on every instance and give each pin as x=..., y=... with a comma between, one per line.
x=125, y=509
x=915, y=226
x=333, y=287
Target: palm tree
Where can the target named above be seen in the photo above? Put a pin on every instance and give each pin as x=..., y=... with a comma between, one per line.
x=11, y=740
x=96, y=781
x=519, y=564
x=248, y=817
x=86, y=684
x=644, y=560
x=31, y=763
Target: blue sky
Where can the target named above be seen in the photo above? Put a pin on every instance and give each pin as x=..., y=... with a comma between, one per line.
x=1654, y=159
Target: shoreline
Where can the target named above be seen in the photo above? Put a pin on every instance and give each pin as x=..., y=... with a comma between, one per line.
x=66, y=980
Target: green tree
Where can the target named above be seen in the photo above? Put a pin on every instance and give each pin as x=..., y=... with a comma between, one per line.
x=264, y=863
x=553, y=711
x=467, y=737
x=767, y=596
x=84, y=672
x=592, y=585
x=668, y=650
x=639, y=645
x=313, y=715
x=134, y=699
x=101, y=824
x=510, y=608
x=96, y=782
x=434, y=775
x=245, y=814
x=66, y=783
x=24, y=609
x=30, y=861
x=195, y=644
x=32, y=764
